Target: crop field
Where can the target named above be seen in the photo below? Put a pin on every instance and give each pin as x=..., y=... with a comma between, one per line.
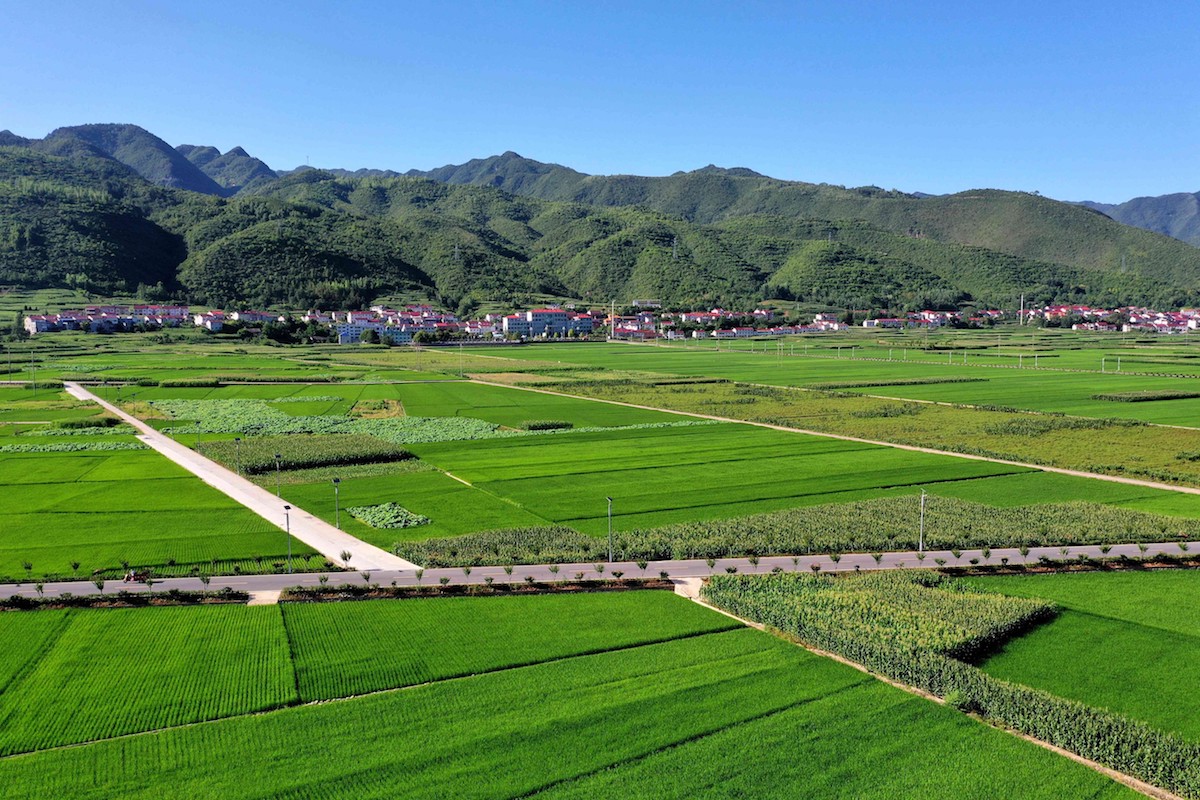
x=1127, y=641
x=1119, y=447
x=124, y=671
x=84, y=502
x=991, y=380
x=572, y=724
x=663, y=475
x=473, y=636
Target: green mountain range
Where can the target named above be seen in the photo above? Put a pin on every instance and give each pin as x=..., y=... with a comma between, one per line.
x=1176, y=215
x=114, y=208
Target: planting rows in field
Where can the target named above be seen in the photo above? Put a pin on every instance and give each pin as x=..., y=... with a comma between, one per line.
x=558, y=726
x=1109, y=446
x=130, y=670
x=1126, y=641
x=257, y=454
x=439, y=639
x=886, y=524
x=862, y=627
x=123, y=671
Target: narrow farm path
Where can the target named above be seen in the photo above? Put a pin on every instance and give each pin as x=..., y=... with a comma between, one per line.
x=969, y=456
x=674, y=568
x=315, y=532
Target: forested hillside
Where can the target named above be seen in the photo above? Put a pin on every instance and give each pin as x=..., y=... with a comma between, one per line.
x=113, y=208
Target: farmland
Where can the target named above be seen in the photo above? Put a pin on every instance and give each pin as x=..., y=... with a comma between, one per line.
x=914, y=628
x=1125, y=641
x=78, y=503
x=573, y=720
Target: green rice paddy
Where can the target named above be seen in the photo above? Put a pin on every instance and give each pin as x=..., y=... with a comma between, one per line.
x=630, y=714
x=1127, y=641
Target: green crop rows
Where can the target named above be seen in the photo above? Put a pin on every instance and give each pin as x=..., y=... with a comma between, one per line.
x=584, y=711
x=1126, y=641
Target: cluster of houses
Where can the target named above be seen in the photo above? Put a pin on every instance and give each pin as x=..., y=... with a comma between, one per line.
x=422, y=322
x=403, y=326
x=1125, y=319
x=108, y=319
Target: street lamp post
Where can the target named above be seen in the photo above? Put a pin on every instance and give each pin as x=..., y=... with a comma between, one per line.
x=287, y=523
x=278, y=459
x=237, y=441
x=337, y=503
x=921, y=534
x=610, y=538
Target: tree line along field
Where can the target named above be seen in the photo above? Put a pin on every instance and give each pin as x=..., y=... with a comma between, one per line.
x=1126, y=641
x=663, y=698
x=90, y=502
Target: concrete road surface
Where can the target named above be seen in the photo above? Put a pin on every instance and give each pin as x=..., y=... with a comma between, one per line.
x=674, y=569
x=315, y=532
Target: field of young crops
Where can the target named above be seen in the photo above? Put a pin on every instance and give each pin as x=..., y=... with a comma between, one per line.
x=80, y=501
x=915, y=630
x=708, y=704
x=1112, y=446
x=1127, y=641
x=125, y=671
x=429, y=640
x=658, y=476
x=993, y=376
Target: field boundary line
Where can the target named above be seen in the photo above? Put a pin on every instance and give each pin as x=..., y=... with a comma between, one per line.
x=1139, y=786
x=699, y=736
x=847, y=438
x=302, y=703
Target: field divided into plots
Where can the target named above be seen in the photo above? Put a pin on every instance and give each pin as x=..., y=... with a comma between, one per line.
x=76, y=502
x=1129, y=642
x=1050, y=390
x=659, y=476
x=647, y=718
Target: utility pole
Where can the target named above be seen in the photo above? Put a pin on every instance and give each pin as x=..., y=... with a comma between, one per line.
x=921, y=534
x=610, y=535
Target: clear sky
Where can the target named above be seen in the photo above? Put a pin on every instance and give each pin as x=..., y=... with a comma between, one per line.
x=1078, y=100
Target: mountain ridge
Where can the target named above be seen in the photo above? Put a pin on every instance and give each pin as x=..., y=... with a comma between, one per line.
x=81, y=203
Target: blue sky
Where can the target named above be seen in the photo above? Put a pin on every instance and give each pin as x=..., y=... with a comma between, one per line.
x=1076, y=100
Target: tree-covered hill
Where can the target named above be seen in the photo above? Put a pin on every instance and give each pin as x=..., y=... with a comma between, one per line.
x=232, y=171
x=99, y=207
x=1016, y=223
x=1176, y=215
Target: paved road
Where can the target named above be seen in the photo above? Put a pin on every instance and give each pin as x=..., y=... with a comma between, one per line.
x=315, y=532
x=674, y=569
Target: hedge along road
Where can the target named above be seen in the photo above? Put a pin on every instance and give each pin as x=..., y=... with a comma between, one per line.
x=676, y=570
x=969, y=456
x=318, y=534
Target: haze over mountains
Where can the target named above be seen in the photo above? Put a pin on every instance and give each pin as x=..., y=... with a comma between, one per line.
x=113, y=206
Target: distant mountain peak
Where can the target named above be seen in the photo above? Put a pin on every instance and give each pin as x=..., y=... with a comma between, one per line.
x=238, y=151
x=732, y=172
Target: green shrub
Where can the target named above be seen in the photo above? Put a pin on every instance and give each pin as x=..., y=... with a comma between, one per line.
x=89, y=422
x=546, y=425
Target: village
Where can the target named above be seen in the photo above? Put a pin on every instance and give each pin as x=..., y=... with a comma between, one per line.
x=643, y=320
